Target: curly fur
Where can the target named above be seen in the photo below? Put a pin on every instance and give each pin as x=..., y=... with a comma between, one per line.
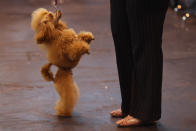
x=64, y=49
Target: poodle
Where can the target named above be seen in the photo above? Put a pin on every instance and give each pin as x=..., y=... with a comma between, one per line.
x=64, y=49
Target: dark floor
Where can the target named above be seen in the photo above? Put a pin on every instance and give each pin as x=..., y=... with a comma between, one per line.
x=27, y=101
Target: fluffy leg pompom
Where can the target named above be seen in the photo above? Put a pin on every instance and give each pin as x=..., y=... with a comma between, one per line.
x=68, y=92
x=62, y=109
x=86, y=36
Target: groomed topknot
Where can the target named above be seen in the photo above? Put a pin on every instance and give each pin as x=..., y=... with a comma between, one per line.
x=37, y=16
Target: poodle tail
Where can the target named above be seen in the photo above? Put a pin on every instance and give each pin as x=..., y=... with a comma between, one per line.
x=47, y=73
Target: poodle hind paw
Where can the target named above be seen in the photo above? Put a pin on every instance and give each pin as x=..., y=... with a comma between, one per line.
x=64, y=114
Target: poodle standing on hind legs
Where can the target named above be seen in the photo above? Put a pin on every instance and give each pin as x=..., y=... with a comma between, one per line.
x=64, y=49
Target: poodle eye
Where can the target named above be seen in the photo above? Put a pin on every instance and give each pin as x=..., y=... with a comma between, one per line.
x=45, y=22
x=51, y=16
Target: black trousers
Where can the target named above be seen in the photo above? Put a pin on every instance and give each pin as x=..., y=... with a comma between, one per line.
x=137, y=27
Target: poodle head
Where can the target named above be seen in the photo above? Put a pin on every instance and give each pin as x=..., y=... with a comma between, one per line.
x=43, y=16
x=45, y=24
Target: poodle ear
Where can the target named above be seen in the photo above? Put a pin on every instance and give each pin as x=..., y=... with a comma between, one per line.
x=43, y=25
x=45, y=33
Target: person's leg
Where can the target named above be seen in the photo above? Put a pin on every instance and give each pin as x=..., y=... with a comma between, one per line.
x=121, y=37
x=146, y=19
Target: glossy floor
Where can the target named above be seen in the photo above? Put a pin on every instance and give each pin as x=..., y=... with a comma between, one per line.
x=27, y=101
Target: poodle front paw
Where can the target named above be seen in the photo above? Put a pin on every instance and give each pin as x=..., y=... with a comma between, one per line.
x=86, y=36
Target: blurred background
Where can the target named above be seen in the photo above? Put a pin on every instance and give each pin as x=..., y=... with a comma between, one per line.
x=187, y=5
x=186, y=8
x=27, y=101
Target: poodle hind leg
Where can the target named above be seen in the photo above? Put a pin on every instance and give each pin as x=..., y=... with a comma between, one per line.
x=68, y=92
x=62, y=109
